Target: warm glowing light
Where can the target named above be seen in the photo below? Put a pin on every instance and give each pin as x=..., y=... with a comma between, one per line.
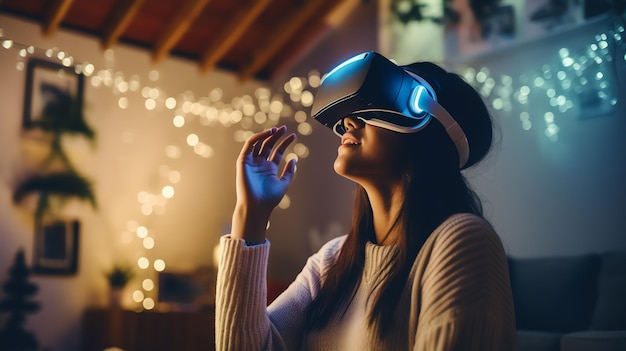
x=296, y=84
x=123, y=102
x=143, y=263
x=216, y=95
x=314, y=79
x=154, y=93
x=178, y=121
x=148, y=303
x=138, y=296
x=170, y=103
x=146, y=209
x=173, y=151
x=192, y=139
x=147, y=284
x=142, y=232
x=307, y=98
x=300, y=116
x=260, y=117
x=305, y=128
x=148, y=243
x=7, y=43
x=203, y=150
x=301, y=150
x=276, y=106
x=168, y=191
x=96, y=81
x=150, y=104
x=159, y=265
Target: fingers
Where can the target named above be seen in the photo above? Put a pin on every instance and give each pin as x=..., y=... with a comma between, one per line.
x=253, y=144
x=279, y=150
x=263, y=144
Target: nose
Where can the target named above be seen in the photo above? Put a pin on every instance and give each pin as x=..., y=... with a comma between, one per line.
x=351, y=123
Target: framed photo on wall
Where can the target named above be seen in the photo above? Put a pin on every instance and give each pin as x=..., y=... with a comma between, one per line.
x=50, y=86
x=56, y=247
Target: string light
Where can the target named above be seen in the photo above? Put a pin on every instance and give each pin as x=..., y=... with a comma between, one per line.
x=574, y=74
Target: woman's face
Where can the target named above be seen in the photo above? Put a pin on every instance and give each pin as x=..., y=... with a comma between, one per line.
x=370, y=154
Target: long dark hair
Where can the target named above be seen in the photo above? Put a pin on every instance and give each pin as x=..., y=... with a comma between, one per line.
x=434, y=189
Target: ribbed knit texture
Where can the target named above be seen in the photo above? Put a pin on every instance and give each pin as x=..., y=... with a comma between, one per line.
x=457, y=297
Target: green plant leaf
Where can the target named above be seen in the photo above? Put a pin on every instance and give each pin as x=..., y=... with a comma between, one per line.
x=63, y=184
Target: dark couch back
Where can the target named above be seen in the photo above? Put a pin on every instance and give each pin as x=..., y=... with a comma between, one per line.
x=555, y=294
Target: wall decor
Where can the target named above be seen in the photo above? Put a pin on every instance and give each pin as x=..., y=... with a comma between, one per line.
x=56, y=247
x=52, y=89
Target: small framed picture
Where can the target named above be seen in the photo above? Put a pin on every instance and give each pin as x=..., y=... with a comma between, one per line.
x=50, y=87
x=56, y=247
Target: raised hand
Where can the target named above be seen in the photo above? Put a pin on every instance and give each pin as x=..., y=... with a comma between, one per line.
x=259, y=185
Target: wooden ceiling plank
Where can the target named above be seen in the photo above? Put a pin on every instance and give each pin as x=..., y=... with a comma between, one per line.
x=177, y=27
x=122, y=15
x=280, y=36
x=338, y=11
x=55, y=12
x=233, y=32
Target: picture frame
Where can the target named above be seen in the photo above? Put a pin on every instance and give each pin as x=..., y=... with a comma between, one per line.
x=56, y=247
x=46, y=82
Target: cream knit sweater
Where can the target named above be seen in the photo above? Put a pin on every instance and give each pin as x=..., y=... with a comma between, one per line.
x=457, y=297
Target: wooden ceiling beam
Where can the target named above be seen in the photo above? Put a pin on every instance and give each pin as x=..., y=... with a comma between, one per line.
x=54, y=14
x=338, y=11
x=280, y=36
x=177, y=27
x=237, y=27
x=119, y=19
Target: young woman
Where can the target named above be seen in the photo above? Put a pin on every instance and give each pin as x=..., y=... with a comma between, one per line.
x=420, y=268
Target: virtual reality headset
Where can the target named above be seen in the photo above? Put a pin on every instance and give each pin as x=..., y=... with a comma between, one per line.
x=375, y=90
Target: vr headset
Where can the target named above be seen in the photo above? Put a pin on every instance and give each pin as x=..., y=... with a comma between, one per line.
x=375, y=90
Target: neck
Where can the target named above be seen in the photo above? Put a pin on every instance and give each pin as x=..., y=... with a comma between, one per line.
x=386, y=202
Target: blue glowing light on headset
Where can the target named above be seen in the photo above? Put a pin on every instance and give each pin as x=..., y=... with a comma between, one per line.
x=415, y=100
x=345, y=63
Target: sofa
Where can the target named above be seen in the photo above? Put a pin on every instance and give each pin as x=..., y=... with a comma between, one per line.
x=570, y=303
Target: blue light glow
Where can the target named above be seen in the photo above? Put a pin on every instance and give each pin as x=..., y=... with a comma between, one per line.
x=416, y=99
x=345, y=63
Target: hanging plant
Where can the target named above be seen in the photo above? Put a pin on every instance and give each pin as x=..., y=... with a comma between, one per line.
x=61, y=115
x=66, y=184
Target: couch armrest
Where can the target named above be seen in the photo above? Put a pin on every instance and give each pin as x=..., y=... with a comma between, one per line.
x=595, y=340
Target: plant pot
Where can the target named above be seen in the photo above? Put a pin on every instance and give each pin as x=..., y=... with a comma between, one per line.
x=116, y=297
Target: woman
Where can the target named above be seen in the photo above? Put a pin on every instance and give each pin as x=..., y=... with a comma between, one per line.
x=420, y=269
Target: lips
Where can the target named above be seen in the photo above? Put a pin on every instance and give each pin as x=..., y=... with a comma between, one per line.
x=348, y=139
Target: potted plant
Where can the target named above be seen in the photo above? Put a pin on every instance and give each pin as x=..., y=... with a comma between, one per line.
x=118, y=277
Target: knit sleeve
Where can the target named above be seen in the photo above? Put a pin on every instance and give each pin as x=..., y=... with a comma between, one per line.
x=466, y=299
x=242, y=321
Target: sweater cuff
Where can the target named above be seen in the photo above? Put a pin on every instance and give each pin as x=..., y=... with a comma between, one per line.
x=244, y=268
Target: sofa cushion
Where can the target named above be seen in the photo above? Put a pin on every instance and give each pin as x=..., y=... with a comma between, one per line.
x=610, y=311
x=538, y=341
x=594, y=341
x=554, y=294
